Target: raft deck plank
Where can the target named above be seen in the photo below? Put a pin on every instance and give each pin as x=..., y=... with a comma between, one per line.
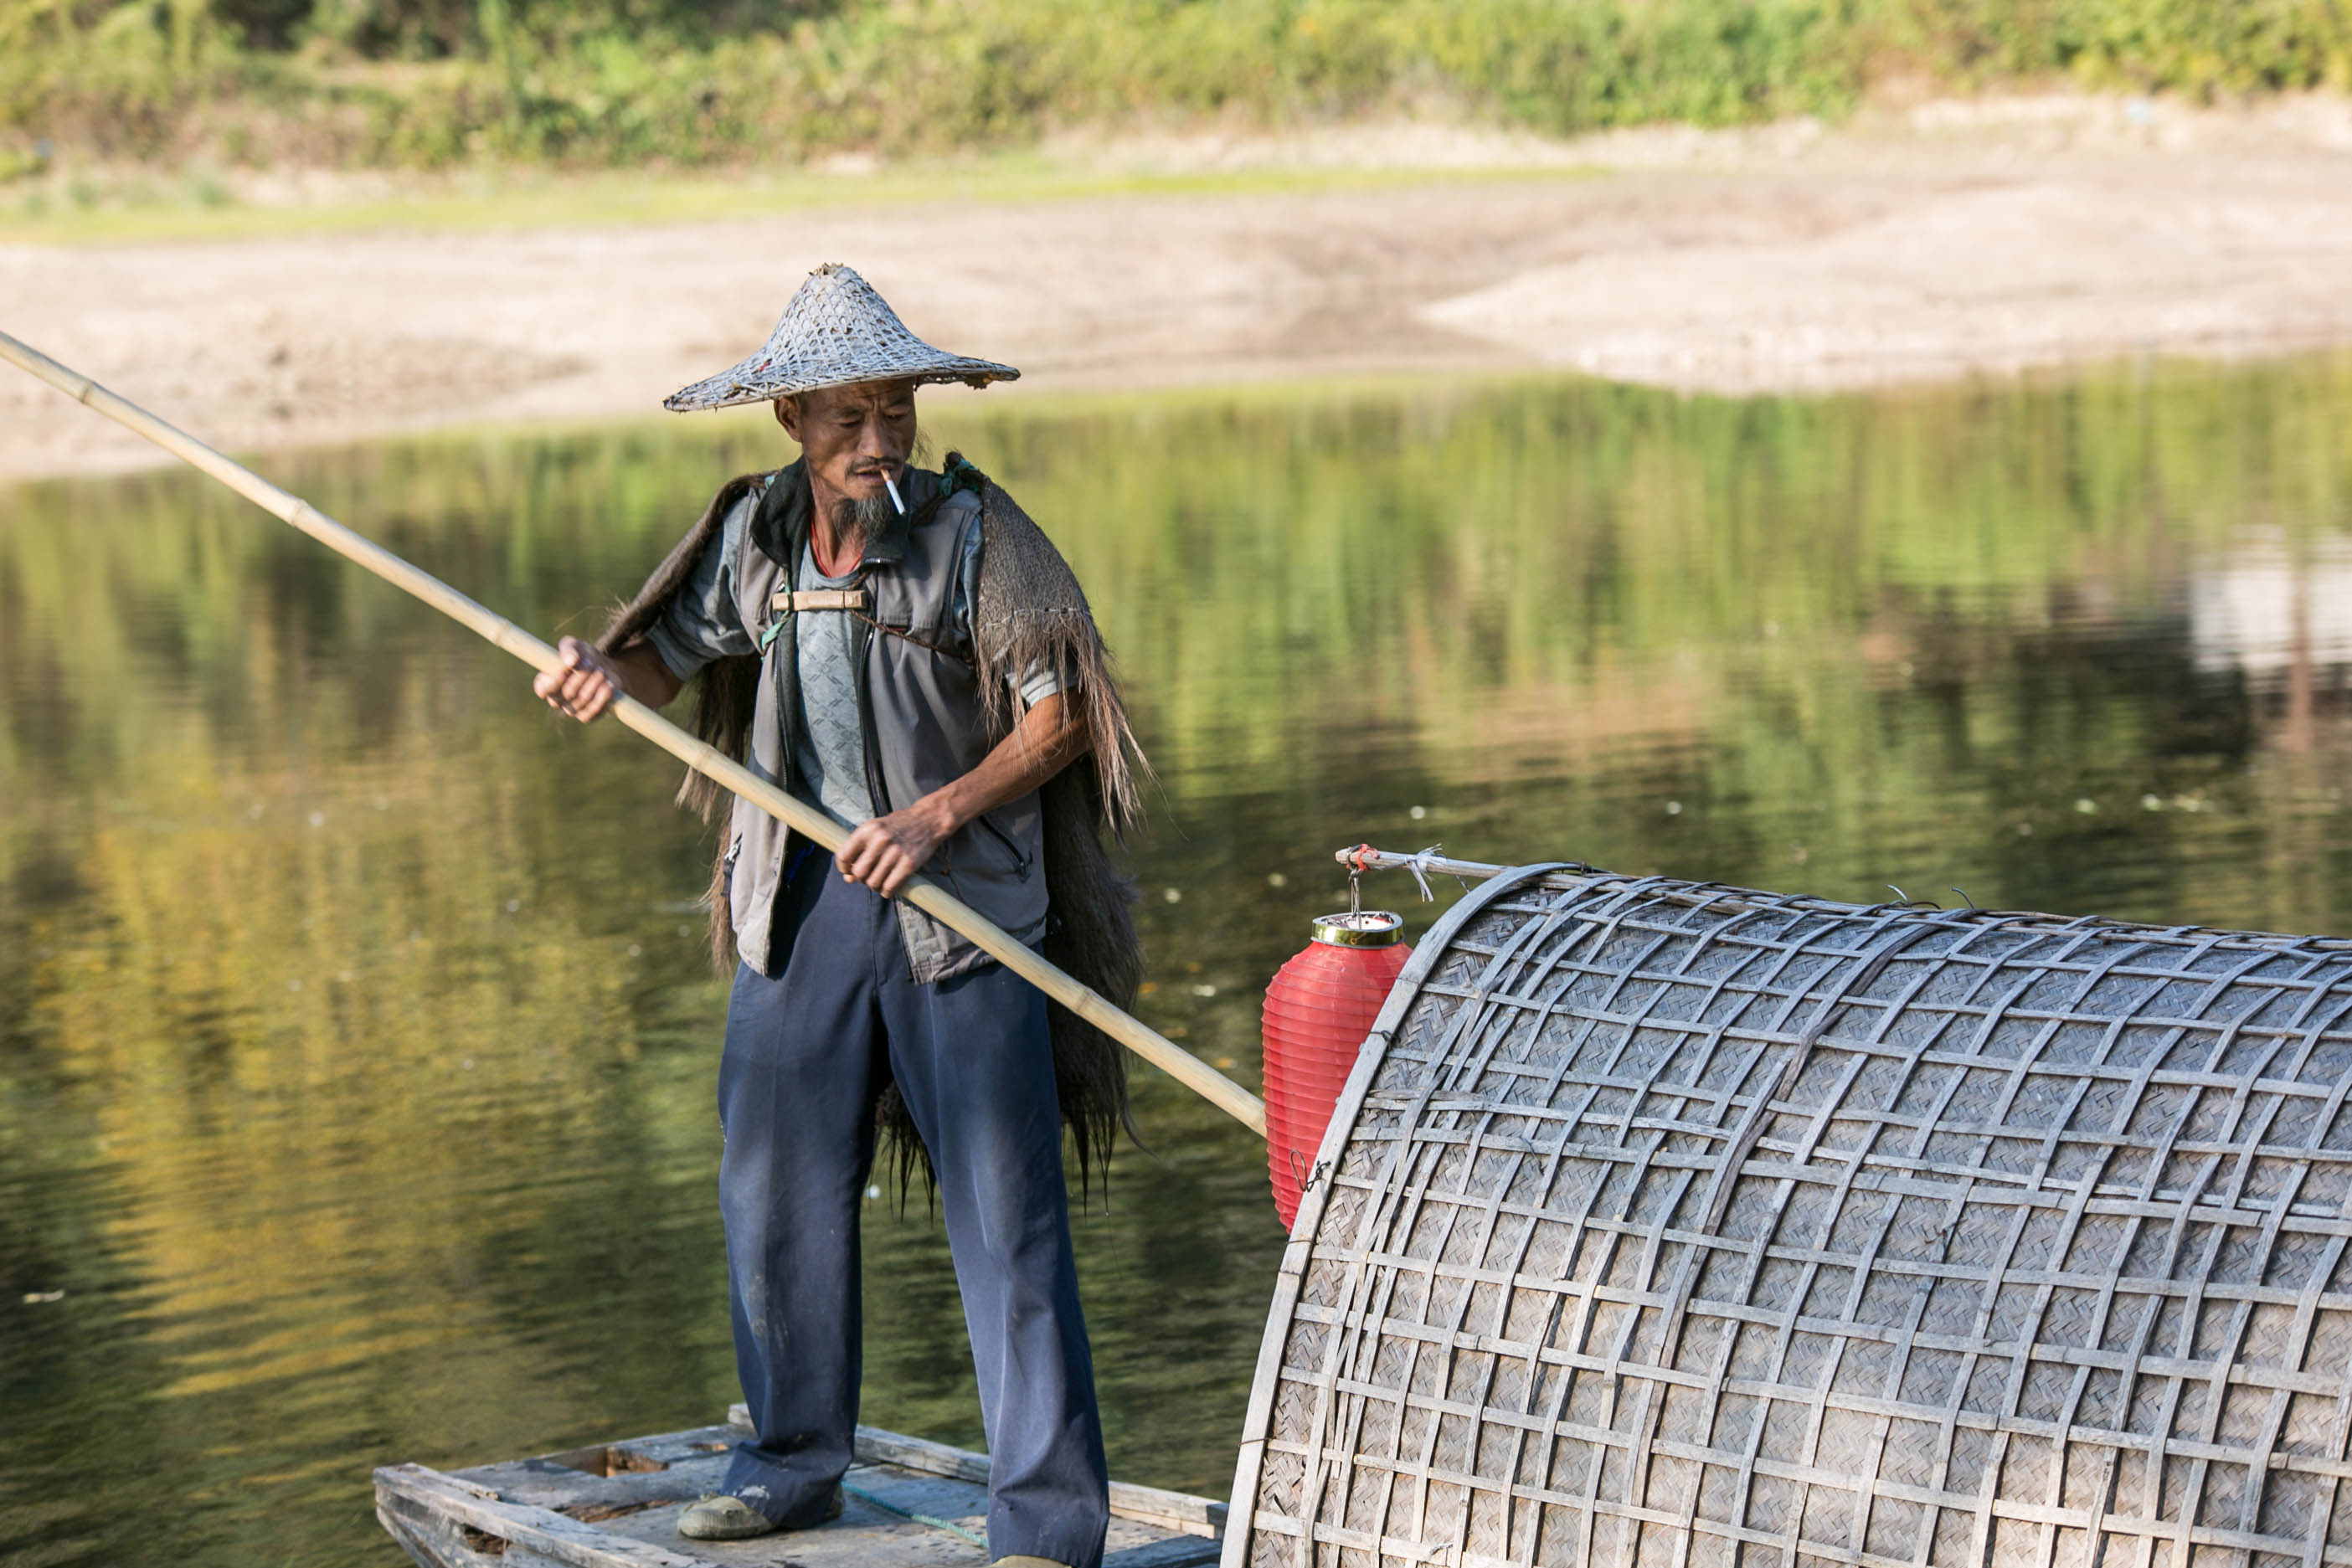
x=615, y=1505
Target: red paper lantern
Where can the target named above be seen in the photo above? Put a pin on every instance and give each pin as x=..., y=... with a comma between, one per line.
x=1318, y=1010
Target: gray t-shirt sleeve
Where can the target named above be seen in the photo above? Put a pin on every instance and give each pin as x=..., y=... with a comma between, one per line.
x=700, y=622
x=1040, y=683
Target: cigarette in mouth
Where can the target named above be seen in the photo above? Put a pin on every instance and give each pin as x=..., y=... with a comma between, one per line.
x=894, y=494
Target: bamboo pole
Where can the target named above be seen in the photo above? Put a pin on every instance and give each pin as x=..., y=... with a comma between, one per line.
x=1363, y=857
x=807, y=820
x=1426, y=863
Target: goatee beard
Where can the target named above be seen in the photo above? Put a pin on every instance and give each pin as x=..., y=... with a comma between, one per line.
x=857, y=522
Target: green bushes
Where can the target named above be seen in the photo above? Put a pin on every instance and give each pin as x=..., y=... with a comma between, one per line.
x=2198, y=47
x=433, y=82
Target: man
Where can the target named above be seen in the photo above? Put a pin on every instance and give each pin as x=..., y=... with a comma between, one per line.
x=905, y=649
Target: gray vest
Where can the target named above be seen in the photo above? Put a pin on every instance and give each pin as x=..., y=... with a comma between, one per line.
x=920, y=703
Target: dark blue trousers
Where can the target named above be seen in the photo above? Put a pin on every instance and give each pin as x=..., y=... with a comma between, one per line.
x=806, y=1054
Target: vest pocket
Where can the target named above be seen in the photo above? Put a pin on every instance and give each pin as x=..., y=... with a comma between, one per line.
x=1004, y=841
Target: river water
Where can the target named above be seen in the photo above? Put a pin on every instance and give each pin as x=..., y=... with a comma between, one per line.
x=356, y=1038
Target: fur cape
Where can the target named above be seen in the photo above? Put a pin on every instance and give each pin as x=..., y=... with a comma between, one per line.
x=1030, y=612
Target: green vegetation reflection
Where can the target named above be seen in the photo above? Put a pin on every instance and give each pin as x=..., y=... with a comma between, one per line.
x=355, y=1049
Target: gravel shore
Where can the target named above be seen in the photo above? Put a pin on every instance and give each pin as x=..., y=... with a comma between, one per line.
x=1947, y=240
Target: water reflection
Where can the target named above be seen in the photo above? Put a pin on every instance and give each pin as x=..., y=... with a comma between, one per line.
x=355, y=1051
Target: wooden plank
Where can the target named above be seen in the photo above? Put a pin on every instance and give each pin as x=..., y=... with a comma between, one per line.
x=863, y=1537
x=531, y=1513
x=1149, y=1505
x=867, y=1537
x=628, y=1476
x=430, y=1541
x=435, y=1542
x=877, y=1447
x=1176, y=1510
x=682, y=1448
x=952, y=1497
x=537, y=1483
x=552, y=1534
x=1175, y=1552
x=630, y=1454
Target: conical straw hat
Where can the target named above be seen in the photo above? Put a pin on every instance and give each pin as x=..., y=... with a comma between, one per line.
x=836, y=331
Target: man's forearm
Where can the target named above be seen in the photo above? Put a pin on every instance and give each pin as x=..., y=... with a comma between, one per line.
x=643, y=674
x=884, y=851
x=584, y=686
x=1048, y=738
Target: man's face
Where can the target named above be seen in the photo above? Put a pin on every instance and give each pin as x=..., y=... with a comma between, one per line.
x=852, y=436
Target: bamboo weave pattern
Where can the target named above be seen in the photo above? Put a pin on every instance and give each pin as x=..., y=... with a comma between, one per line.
x=1684, y=1225
x=835, y=331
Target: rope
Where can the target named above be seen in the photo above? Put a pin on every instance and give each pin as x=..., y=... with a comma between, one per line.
x=862, y=1495
x=1419, y=866
x=1358, y=860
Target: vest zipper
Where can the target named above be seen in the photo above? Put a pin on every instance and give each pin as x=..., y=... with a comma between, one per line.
x=1020, y=861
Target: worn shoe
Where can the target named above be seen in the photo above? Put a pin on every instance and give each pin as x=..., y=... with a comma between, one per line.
x=723, y=1519
x=731, y=1519
x=1026, y=1563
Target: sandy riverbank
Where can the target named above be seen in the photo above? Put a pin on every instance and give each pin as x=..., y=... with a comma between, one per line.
x=1945, y=240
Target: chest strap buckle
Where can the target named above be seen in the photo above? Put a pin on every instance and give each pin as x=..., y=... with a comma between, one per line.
x=791, y=601
x=786, y=602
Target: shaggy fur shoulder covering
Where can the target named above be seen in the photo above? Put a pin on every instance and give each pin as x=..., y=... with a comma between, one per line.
x=1031, y=613
x=724, y=693
x=725, y=690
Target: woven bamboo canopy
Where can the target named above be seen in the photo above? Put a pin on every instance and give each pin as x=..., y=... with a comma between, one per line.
x=1673, y=1224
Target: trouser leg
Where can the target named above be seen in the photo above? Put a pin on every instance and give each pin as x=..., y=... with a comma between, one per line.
x=796, y=1103
x=974, y=1063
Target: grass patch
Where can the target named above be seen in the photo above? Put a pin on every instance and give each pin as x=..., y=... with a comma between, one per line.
x=147, y=206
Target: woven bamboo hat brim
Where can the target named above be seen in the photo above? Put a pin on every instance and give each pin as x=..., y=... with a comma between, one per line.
x=835, y=332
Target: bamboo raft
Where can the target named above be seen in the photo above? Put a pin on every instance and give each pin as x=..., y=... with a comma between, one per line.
x=908, y=1504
